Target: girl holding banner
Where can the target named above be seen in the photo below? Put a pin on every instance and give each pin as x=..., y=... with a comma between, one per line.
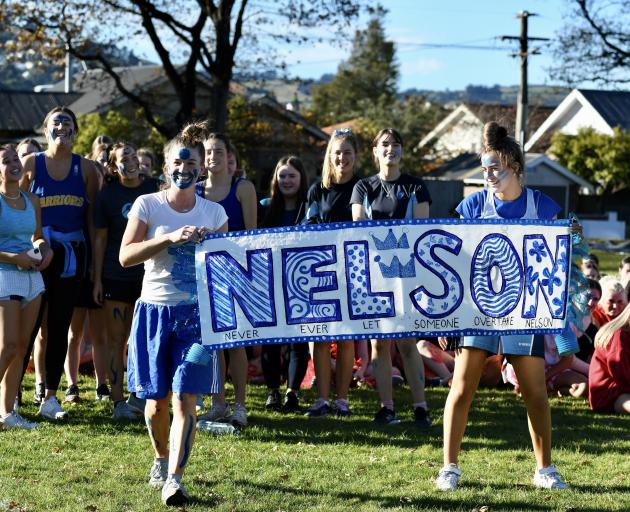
x=503, y=164
x=392, y=194
x=329, y=201
x=165, y=355
x=285, y=207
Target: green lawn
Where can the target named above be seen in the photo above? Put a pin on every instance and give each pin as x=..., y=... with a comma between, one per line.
x=609, y=261
x=291, y=463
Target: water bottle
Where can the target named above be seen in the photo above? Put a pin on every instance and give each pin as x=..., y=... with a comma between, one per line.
x=217, y=428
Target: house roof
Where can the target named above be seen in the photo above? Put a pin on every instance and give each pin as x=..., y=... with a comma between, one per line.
x=612, y=108
x=23, y=111
x=293, y=117
x=486, y=112
x=350, y=123
x=466, y=167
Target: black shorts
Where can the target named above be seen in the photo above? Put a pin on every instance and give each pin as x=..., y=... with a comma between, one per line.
x=85, y=298
x=121, y=291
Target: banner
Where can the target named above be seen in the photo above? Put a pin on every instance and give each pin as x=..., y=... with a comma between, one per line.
x=383, y=279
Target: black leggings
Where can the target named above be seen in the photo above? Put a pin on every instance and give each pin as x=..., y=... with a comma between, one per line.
x=298, y=356
x=60, y=297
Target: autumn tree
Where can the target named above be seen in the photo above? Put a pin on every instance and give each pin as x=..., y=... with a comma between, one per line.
x=594, y=44
x=189, y=36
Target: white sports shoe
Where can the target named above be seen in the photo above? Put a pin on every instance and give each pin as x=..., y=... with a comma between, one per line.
x=174, y=494
x=51, y=409
x=448, y=478
x=549, y=478
x=122, y=411
x=239, y=416
x=159, y=473
x=218, y=412
x=14, y=420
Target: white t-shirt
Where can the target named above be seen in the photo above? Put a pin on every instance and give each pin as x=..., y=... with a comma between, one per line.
x=166, y=280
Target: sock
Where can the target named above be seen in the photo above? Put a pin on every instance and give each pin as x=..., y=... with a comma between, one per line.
x=161, y=460
x=175, y=476
x=421, y=404
x=388, y=404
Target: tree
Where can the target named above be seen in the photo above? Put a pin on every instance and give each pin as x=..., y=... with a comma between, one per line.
x=594, y=45
x=188, y=36
x=369, y=77
x=598, y=158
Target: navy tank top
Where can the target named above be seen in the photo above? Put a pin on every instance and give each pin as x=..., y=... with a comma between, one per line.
x=63, y=202
x=230, y=203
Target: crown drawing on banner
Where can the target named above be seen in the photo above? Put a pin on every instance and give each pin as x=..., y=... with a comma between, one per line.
x=390, y=242
x=396, y=268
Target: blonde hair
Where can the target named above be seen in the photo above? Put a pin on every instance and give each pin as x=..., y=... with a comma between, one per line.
x=611, y=285
x=328, y=170
x=606, y=331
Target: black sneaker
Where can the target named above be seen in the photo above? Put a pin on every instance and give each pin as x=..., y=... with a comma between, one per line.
x=386, y=416
x=421, y=418
x=102, y=393
x=274, y=400
x=291, y=402
x=72, y=394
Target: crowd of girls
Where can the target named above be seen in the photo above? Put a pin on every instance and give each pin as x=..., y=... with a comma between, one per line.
x=95, y=237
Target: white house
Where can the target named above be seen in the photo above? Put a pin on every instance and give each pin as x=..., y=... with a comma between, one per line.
x=584, y=108
x=460, y=132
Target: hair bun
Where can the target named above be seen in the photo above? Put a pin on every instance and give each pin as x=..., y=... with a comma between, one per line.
x=493, y=134
x=194, y=133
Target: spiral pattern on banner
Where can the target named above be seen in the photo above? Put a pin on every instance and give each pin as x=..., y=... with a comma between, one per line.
x=299, y=282
x=496, y=251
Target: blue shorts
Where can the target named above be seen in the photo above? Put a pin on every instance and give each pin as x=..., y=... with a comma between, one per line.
x=513, y=344
x=160, y=339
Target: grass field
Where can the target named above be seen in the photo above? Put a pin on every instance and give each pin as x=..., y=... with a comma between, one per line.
x=291, y=463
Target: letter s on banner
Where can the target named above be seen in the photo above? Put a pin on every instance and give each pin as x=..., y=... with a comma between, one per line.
x=438, y=305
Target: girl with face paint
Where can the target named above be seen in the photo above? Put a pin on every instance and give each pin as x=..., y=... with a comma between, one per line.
x=115, y=287
x=21, y=284
x=503, y=164
x=66, y=184
x=238, y=197
x=392, y=194
x=162, y=228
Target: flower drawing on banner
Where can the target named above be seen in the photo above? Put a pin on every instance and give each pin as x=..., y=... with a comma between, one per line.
x=530, y=278
x=538, y=251
x=559, y=303
x=551, y=279
x=532, y=311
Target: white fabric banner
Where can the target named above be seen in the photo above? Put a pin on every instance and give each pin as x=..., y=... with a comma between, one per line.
x=383, y=279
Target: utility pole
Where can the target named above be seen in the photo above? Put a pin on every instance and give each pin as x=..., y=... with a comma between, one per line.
x=522, y=102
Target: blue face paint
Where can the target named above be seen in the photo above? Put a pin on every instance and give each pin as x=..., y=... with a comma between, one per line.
x=59, y=120
x=185, y=179
x=487, y=161
x=184, y=154
x=498, y=173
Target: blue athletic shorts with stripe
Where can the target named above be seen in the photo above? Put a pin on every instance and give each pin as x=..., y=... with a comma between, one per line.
x=513, y=344
x=160, y=339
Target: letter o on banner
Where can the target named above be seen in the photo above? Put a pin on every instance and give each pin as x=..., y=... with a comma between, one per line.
x=496, y=251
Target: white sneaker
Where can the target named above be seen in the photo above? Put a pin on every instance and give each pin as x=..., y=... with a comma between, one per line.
x=14, y=420
x=51, y=409
x=239, y=416
x=174, y=494
x=448, y=478
x=159, y=473
x=122, y=411
x=549, y=478
x=218, y=412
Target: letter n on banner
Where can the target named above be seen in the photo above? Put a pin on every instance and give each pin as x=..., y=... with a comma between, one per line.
x=302, y=280
x=542, y=272
x=252, y=288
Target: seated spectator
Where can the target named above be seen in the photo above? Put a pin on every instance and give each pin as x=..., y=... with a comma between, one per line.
x=609, y=375
x=586, y=335
x=590, y=267
x=612, y=303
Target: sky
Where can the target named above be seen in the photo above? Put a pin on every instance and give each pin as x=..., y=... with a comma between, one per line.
x=410, y=23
